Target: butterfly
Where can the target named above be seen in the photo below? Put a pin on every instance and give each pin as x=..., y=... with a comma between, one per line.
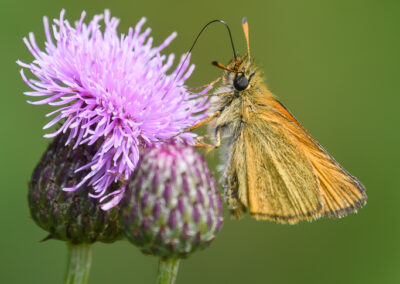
x=273, y=167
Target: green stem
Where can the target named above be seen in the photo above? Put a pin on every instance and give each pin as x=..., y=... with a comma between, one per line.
x=79, y=261
x=167, y=270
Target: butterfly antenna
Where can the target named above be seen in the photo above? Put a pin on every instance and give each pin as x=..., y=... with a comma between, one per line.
x=195, y=41
x=245, y=25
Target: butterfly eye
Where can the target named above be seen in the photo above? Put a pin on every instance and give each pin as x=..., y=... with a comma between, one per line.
x=240, y=83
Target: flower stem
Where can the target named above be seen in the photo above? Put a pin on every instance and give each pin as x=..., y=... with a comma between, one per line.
x=167, y=270
x=79, y=262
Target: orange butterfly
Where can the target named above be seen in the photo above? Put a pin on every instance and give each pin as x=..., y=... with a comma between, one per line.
x=274, y=168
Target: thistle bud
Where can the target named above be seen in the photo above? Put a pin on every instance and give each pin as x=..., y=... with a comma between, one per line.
x=69, y=216
x=172, y=207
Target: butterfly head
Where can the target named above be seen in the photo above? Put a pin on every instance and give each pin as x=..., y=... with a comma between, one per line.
x=239, y=73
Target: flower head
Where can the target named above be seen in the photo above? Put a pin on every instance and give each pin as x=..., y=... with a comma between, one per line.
x=69, y=216
x=110, y=88
x=172, y=206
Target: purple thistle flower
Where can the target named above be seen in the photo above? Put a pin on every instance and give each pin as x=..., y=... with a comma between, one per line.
x=114, y=89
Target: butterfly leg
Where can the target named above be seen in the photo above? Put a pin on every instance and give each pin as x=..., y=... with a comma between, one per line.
x=201, y=123
x=205, y=86
x=214, y=95
x=210, y=147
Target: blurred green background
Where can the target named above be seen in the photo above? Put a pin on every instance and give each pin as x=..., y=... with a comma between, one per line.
x=335, y=64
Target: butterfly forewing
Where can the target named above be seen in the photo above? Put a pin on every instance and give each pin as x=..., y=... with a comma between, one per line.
x=281, y=181
x=342, y=193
